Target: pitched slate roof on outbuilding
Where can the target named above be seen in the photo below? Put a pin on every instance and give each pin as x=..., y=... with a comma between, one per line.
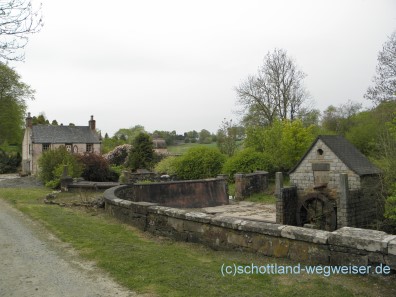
x=63, y=134
x=348, y=154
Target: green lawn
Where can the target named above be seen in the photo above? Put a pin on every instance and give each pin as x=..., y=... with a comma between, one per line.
x=160, y=266
x=182, y=148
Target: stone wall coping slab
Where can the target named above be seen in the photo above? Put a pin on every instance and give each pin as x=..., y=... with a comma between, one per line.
x=392, y=247
x=305, y=234
x=228, y=222
x=261, y=227
x=361, y=239
x=198, y=217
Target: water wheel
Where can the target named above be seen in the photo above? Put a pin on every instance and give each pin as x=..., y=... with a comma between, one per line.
x=318, y=210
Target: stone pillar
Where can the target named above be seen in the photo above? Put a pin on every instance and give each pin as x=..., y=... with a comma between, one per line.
x=278, y=183
x=65, y=179
x=342, y=207
x=239, y=186
x=279, y=199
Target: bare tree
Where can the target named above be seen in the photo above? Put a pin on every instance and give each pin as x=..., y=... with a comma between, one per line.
x=384, y=88
x=18, y=19
x=275, y=92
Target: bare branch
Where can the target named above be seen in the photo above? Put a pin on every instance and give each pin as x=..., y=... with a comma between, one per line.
x=18, y=19
x=277, y=90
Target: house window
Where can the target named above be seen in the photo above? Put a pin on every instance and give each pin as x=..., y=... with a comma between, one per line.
x=69, y=147
x=46, y=147
x=89, y=148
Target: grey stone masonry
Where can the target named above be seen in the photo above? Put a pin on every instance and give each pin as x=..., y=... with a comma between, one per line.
x=346, y=246
x=248, y=184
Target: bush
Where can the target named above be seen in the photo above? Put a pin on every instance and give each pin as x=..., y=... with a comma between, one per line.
x=96, y=168
x=9, y=161
x=51, y=166
x=166, y=166
x=118, y=155
x=246, y=161
x=199, y=162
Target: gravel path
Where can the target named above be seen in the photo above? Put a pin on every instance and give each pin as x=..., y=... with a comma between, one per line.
x=35, y=263
x=15, y=181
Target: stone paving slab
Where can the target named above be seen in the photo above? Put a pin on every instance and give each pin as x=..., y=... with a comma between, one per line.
x=244, y=210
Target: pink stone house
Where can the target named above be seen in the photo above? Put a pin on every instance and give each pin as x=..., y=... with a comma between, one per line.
x=40, y=138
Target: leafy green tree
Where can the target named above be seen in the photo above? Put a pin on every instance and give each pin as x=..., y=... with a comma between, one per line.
x=199, y=162
x=170, y=137
x=40, y=120
x=130, y=134
x=339, y=119
x=141, y=154
x=283, y=143
x=246, y=161
x=13, y=96
x=227, y=137
x=205, y=137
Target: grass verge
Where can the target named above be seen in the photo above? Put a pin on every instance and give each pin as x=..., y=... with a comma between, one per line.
x=163, y=267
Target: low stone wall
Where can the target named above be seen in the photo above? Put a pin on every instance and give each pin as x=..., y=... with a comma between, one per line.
x=187, y=194
x=346, y=246
x=251, y=183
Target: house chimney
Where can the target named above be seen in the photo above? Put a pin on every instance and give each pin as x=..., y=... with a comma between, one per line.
x=29, y=121
x=92, y=124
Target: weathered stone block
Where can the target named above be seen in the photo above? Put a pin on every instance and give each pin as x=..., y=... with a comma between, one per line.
x=390, y=260
x=261, y=227
x=305, y=234
x=198, y=217
x=176, y=224
x=238, y=239
x=281, y=248
x=392, y=247
x=228, y=222
x=339, y=258
x=196, y=227
x=364, y=239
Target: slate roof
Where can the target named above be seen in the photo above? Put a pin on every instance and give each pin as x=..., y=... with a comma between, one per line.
x=63, y=134
x=348, y=154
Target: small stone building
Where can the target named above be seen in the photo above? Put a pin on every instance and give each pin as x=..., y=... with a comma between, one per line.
x=336, y=185
x=159, y=145
x=40, y=138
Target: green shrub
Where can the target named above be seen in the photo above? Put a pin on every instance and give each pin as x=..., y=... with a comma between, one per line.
x=246, y=161
x=51, y=166
x=199, y=162
x=9, y=161
x=166, y=166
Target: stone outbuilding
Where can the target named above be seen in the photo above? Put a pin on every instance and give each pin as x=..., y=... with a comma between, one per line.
x=336, y=186
x=159, y=146
x=40, y=138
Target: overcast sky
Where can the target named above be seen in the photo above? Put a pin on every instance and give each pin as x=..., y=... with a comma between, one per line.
x=173, y=65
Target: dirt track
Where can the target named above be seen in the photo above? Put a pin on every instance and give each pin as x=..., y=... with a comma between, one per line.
x=35, y=263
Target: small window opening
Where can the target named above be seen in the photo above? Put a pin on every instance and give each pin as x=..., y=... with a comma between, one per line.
x=320, y=152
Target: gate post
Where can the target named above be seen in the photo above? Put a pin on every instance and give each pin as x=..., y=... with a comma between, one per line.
x=342, y=207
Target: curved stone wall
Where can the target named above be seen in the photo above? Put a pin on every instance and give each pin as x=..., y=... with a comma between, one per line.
x=180, y=194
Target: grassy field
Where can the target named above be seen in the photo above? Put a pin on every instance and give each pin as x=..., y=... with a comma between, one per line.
x=182, y=148
x=162, y=267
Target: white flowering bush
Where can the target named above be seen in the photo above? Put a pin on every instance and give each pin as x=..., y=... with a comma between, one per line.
x=118, y=155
